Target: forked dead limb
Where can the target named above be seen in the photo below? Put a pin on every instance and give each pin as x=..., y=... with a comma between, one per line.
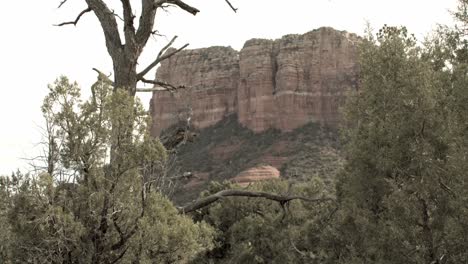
x=77, y=19
x=166, y=86
x=161, y=57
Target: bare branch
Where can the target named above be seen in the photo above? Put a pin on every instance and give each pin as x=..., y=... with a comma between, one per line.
x=117, y=16
x=156, y=33
x=62, y=3
x=198, y=204
x=167, y=46
x=103, y=76
x=166, y=86
x=161, y=57
x=147, y=69
x=232, y=7
x=192, y=10
x=87, y=10
x=167, y=56
x=154, y=89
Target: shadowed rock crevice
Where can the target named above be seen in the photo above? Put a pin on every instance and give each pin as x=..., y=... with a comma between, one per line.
x=274, y=68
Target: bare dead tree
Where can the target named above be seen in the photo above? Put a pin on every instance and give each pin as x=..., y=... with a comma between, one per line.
x=125, y=50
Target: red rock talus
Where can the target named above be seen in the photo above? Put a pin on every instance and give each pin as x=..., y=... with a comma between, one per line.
x=281, y=84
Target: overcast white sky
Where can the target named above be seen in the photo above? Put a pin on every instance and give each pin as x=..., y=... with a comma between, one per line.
x=34, y=53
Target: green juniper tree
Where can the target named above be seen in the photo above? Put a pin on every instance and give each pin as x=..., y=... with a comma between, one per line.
x=100, y=197
x=400, y=191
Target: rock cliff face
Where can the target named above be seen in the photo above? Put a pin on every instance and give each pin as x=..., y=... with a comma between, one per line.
x=211, y=74
x=282, y=84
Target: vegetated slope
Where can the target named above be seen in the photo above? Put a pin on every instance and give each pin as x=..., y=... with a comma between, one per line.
x=222, y=151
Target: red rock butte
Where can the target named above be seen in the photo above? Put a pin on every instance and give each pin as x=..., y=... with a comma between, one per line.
x=281, y=84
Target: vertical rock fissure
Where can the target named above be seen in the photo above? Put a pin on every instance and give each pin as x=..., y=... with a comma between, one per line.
x=275, y=48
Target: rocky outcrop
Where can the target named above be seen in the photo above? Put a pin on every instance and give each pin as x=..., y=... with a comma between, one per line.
x=280, y=84
x=211, y=74
x=255, y=174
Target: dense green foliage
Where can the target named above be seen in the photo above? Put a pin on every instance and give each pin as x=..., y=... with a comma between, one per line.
x=262, y=231
x=402, y=187
x=99, y=198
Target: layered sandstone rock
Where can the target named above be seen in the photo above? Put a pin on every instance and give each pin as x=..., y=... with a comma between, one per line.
x=211, y=75
x=280, y=84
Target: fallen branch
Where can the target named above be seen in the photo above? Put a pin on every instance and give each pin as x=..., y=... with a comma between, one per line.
x=198, y=204
x=161, y=57
x=87, y=10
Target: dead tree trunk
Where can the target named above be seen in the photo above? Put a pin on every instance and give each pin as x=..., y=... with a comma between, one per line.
x=126, y=50
x=125, y=74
